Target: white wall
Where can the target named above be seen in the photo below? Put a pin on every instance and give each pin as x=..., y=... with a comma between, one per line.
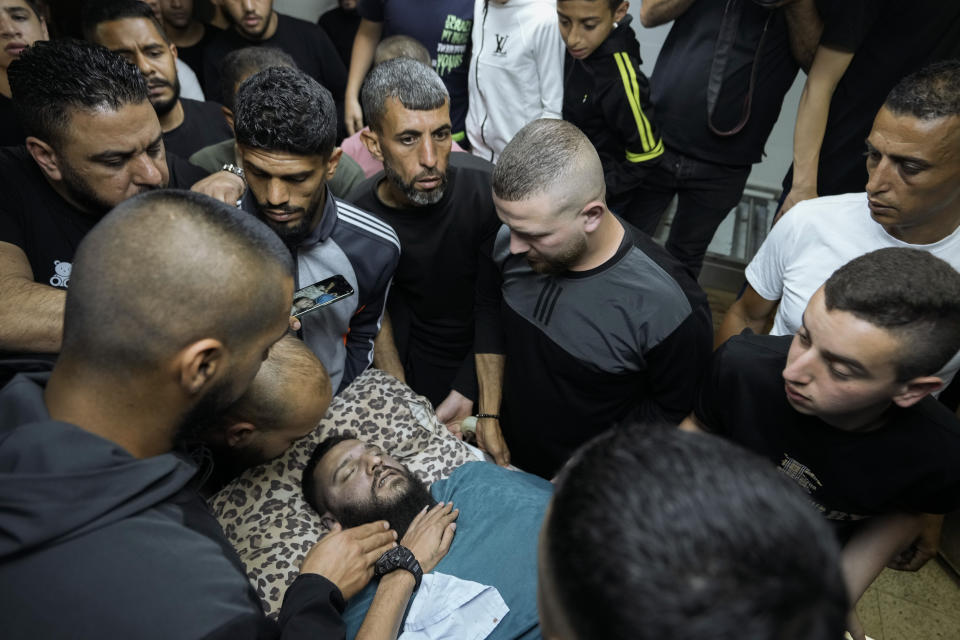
x=304, y=9
x=768, y=173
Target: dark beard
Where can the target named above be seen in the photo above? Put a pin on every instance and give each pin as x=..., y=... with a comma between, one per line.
x=164, y=107
x=293, y=235
x=419, y=198
x=399, y=511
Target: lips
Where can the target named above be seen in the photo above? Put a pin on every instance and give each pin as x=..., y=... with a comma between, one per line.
x=15, y=48
x=879, y=207
x=281, y=216
x=793, y=395
x=578, y=53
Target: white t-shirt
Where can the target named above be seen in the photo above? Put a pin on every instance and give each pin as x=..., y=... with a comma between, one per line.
x=814, y=239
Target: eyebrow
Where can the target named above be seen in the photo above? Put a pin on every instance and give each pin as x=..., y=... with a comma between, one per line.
x=107, y=156
x=833, y=357
x=898, y=158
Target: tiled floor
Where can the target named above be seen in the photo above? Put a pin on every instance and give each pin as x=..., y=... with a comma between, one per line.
x=924, y=605
x=900, y=605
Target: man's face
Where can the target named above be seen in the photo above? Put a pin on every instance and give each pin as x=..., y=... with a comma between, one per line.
x=19, y=28
x=108, y=156
x=177, y=13
x=552, y=241
x=288, y=189
x=585, y=24
x=348, y=5
x=415, y=147
x=914, y=169
x=841, y=368
x=360, y=483
x=251, y=18
x=139, y=42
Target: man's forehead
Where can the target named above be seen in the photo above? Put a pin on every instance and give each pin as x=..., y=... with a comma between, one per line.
x=398, y=118
x=280, y=162
x=102, y=127
x=136, y=29
x=907, y=135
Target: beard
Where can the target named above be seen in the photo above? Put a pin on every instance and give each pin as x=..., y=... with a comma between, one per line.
x=246, y=33
x=80, y=191
x=293, y=234
x=398, y=510
x=414, y=195
x=163, y=107
x=194, y=422
x=562, y=261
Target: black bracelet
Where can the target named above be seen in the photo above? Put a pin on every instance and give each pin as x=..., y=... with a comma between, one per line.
x=488, y=415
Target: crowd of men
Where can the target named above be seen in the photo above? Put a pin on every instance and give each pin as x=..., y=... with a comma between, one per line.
x=151, y=245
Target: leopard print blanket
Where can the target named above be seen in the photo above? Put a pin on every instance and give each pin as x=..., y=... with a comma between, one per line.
x=263, y=513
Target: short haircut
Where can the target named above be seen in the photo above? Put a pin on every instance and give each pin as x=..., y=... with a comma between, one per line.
x=659, y=533
x=307, y=483
x=542, y=154
x=96, y=12
x=265, y=403
x=283, y=109
x=928, y=94
x=401, y=46
x=243, y=63
x=613, y=4
x=164, y=269
x=910, y=293
x=52, y=79
x=39, y=8
x=415, y=85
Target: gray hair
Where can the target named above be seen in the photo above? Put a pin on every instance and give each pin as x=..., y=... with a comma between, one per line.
x=544, y=153
x=415, y=85
x=283, y=109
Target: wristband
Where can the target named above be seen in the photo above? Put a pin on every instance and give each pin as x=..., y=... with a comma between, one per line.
x=235, y=170
x=495, y=416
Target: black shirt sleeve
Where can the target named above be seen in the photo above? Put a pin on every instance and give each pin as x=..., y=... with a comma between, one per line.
x=846, y=23
x=489, y=336
x=183, y=175
x=312, y=608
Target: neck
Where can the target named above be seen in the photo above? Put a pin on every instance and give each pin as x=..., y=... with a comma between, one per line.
x=5, y=83
x=602, y=244
x=185, y=36
x=172, y=119
x=391, y=196
x=934, y=231
x=864, y=421
x=135, y=418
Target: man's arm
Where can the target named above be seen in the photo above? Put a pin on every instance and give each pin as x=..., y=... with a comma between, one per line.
x=804, y=27
x=693, y=424
x=751, y=311
x=653, y=13
x=828, y=67
x=364, y=44
x=924, y=547
x=490, y=379
x=870, y=548
x=31, y=315
x=364, y=327
x=385, y=355
x=550, y=51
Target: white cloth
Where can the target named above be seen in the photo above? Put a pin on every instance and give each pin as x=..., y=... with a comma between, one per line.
x=813, y=240
x=516, y=71
x=189, y=85
x=446, y=607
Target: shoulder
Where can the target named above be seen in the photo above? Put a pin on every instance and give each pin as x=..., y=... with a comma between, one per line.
x=353, y=218
x=752, y=353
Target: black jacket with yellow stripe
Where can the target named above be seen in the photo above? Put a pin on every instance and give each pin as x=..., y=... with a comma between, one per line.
x=608, y=98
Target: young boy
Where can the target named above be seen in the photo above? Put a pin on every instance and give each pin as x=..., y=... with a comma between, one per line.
x=852, y=421
x=606, y=95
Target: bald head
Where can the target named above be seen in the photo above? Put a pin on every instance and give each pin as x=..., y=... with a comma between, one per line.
x=549, y=156
x=167, y=268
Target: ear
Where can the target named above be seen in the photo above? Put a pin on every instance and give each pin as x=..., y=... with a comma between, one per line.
x=328, y=520
x=228, y=116
x=173, y=50
x=43, y=29
x=915, y=390
x=621, y=11
x=240, y=434
x=372, y=142
x=333, y=162
x=45, y=157
x=199, y=364
x=593, y=215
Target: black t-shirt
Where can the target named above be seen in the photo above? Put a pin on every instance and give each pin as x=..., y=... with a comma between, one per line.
x=306, y=43
x=203, y=124
x=586, y=349
x=45, y=226
x=11, y=133
x=341, y=25
x=909, y=464
x=890, y=39
x=431, y=301
x=193, y=55
x=680, y=78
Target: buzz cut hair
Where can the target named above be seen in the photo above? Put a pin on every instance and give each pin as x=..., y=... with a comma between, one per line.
x=243, y=63
x=931, y=93
x=413, y=84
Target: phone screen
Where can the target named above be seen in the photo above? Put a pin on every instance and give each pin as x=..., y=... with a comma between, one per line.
x=320, y=294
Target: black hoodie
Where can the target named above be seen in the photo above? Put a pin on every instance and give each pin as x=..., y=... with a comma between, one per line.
x=95, y=543
x=608, y=98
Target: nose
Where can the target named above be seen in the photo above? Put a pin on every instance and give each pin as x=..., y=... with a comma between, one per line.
x=176, y=4
x=428, y=153
x=146, y=172
x=249, y=6
x=878, y=176
x=141, y=61
x=371, y=461
x=277, y=193
x=8, y=27
x=518, y=246
x=799, y=370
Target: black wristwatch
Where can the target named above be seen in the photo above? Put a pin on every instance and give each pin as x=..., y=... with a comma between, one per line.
x=399, y=558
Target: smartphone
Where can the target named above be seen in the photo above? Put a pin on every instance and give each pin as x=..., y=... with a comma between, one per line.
x=320, y=294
